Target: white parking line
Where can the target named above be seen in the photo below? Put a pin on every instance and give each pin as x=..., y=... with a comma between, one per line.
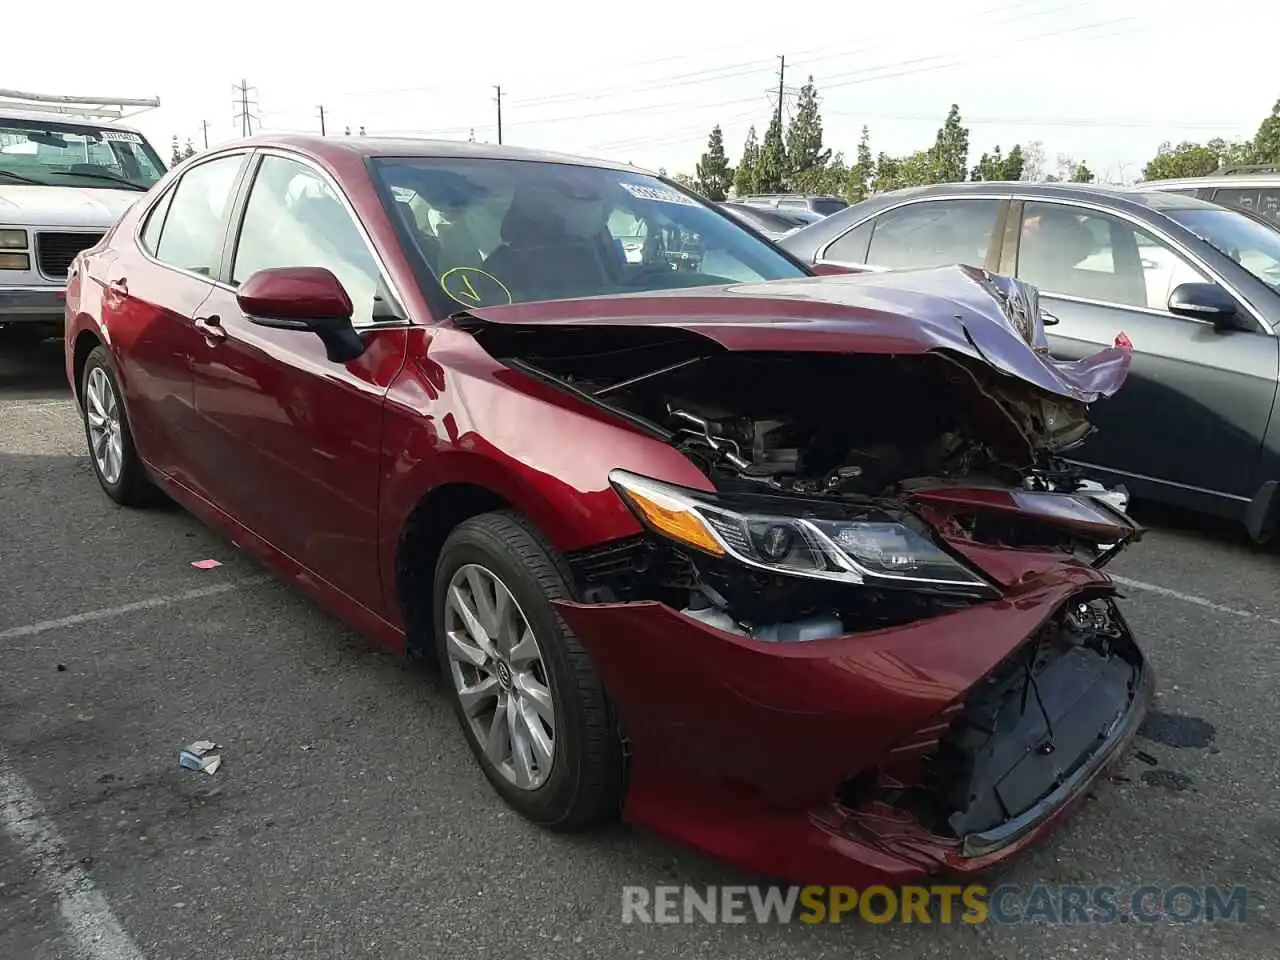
x=13, y=633
x=1189, y=598
x=40, y=403
x=94, y=930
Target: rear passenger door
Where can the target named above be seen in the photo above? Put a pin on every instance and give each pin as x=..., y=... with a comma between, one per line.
x=923, y=233
x=153, y=292
x=1194, y=408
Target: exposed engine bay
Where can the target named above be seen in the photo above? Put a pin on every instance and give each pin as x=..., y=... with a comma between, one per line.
x=809, y=435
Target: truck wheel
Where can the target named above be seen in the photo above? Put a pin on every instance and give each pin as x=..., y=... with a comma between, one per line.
x=524, y=690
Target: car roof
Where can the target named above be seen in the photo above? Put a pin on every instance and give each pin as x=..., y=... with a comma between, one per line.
x=328, y=148
x=1126, y=198
x=1231, y=179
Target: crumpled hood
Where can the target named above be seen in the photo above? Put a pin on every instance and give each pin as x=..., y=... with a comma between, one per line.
x=24, y=205
x=956, y=310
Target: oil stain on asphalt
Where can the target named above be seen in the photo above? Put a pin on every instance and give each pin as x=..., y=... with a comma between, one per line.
x=1176, y=730
x=1169, y=779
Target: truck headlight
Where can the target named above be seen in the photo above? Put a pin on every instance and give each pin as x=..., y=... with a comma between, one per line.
x=13, y=240
x=875, y=550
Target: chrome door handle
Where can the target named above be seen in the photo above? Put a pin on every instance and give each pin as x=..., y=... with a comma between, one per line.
x=211, y=327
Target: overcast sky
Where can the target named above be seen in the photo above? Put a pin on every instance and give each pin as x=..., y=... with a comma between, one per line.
x=1101, y=80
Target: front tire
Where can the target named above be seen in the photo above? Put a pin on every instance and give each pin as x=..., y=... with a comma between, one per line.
x=524, y=690
x=115, y=460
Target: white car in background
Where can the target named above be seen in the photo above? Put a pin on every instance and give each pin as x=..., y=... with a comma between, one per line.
x=68, y=171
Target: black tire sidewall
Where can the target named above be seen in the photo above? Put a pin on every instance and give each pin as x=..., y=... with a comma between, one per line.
x=552, y=802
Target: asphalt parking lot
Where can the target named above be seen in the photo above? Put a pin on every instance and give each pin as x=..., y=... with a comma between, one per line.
x=349, y=820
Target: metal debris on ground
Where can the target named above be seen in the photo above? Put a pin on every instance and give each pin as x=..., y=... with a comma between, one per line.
x=200, y=756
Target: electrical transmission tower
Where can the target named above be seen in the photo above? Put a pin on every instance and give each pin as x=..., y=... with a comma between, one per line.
x=245, y=103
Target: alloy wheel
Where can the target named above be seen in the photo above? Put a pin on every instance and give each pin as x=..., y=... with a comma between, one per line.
x=102, y=413
x=499, y=676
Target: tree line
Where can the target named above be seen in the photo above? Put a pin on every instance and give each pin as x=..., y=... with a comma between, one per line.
x=795, y=160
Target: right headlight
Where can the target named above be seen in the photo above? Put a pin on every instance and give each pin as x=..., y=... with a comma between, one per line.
x=873, y=550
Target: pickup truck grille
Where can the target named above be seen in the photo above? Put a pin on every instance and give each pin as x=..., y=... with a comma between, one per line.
x=55, y=251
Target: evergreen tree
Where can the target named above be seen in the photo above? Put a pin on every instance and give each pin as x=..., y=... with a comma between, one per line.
x=861, y=173
x=744, y=178
x=951, y=149
x=1013, y=164
x=806, y=158
x=714, y=173
x=772, y=170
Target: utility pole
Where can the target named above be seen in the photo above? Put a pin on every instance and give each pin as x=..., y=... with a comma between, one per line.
x=782, y=72
x=245, y=115
x=204, y=126
x=499, y=102
x=322, y=133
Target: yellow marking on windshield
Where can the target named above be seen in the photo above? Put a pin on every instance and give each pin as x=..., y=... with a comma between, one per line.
x=466, y=292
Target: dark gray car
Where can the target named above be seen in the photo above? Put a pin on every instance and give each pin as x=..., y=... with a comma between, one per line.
x=1193, y=285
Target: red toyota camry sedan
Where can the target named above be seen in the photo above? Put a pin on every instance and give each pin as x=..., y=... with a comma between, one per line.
x=784, y=566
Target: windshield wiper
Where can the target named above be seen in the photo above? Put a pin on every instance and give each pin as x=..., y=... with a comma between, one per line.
x=19, y=178
x=105, y=176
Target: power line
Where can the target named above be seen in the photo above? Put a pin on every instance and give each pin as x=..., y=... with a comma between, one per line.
x=998, y=13
x=1115, y=124
x=916, y=65
x=245, y=116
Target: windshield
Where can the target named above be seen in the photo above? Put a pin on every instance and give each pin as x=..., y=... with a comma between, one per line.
x=494, y=232
x=59, y=154
x=1252, y=244
x=769, y=221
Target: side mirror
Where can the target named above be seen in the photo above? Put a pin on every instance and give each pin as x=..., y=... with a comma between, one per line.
x=1204, y=301
x=303, y=298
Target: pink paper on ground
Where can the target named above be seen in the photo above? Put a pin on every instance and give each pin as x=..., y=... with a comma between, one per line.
x=205, y=564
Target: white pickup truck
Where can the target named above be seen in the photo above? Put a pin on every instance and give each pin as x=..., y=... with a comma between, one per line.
x=68, y=170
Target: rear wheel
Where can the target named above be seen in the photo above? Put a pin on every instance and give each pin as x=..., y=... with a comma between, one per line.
x=106, y=426
x=525, y=692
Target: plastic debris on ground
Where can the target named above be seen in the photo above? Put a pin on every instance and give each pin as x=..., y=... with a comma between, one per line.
x=206, y=564
x=200, y=756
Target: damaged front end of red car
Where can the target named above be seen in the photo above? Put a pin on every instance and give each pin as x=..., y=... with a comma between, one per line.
x=879, y=643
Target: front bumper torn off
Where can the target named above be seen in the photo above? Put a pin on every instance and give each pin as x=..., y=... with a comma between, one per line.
x=1023, y=747
x=852, y=760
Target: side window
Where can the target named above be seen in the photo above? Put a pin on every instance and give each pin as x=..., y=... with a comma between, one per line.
x=155, y=223
x=191, y=236
x=1094, y=256
x=1264, y=200
x=851, y=247
x=294, y=219
x=934, y=233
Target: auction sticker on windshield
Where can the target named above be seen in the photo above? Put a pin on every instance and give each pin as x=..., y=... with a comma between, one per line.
x=657, y=194
x=121, y=136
